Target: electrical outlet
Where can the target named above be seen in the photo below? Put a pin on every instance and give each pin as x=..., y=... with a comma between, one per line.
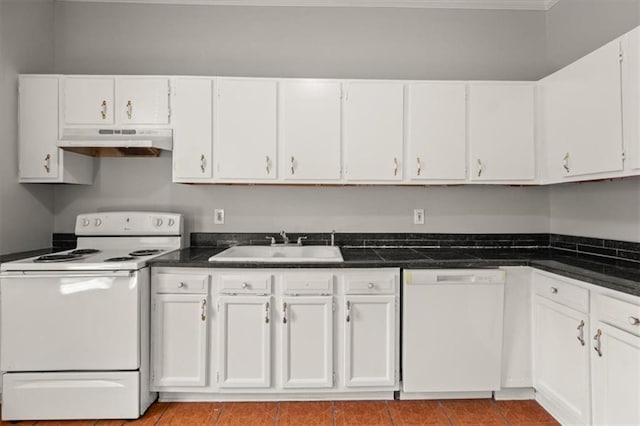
x=418, y=216
x=218, y=216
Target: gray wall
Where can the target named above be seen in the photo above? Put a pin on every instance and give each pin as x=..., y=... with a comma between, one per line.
x=299, y=41
x=303, y=42
x=594, y=209
x=26, y=46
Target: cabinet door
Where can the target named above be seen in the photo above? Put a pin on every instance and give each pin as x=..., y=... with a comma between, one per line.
x=436, y=131
x=88, y=100
x=501, y=131
x=192, y=129
x=142, y=100
x=370, y=330
x=309, y=114
x=373, y=123
x=582, y=115
x=179, y=340
x=245, y=342
x=561, y=360
x=38, y=128
x=307, y=342
x=246, y=129
x=616, y=376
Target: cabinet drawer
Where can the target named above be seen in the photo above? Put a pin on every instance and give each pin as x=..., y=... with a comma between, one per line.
x=620, y=314
x=370, y=283
x=175, y=283
x=308, y=283
x=245, y=283
x=562, y=292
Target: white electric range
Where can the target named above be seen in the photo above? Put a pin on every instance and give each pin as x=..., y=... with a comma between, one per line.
x=74, y=325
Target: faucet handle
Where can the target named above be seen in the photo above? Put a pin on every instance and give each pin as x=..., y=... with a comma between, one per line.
x=272, y=240
x=300, y=240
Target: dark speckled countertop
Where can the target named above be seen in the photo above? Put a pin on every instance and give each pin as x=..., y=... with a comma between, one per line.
x=624, y=279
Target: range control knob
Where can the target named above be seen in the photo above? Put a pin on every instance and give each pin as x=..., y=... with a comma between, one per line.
x=86, y=222
x=157, y=221
x=97, y=222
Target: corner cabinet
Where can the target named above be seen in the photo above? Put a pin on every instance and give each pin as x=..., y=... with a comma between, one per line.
x=276, y=332
x=40, y=159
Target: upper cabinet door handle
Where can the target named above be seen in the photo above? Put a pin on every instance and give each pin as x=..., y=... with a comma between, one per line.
x=395, y=166
x=47, y=163
x=565, y=162
x=293, y=162
x=103, y=110
x=129, y=109
x=479, y=167
x=419, y=166
x=203, y=163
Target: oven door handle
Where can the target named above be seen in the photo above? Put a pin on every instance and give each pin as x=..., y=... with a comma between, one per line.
x=67, y=274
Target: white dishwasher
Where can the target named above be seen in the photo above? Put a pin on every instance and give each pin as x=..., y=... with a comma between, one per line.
x=451, y=333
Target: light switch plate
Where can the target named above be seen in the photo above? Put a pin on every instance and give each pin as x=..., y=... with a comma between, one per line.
x=418, y=216
x=218, y=216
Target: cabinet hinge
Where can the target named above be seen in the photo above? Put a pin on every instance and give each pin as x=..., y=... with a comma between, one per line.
x=333, y=307
x=217, y=377
x=623, y=155
x=333, y=378
x=621, y=55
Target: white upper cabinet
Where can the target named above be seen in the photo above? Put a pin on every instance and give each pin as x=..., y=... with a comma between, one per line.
x=192, y=129
x=309, y=118
x=631, y=97
x=245, y=129
x=373, y=131
x=501, y=131
x=142, y=100
x=436, y=131
x=123, y=101
x=582, y=116
x=88, y=100
x=40, y=159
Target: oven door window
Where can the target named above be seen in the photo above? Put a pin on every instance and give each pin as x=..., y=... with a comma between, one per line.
x=64, y=321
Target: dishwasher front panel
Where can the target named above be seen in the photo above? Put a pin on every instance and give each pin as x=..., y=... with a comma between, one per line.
x=452, y=331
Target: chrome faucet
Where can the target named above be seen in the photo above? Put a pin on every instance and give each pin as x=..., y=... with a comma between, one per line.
x=285, y=239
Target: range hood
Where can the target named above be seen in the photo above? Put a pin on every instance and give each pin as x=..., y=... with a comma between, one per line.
x=117, y=142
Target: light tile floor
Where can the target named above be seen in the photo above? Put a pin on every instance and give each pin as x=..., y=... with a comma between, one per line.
x=338, y=413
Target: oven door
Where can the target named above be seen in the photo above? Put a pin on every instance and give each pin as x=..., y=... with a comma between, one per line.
x=60, y=321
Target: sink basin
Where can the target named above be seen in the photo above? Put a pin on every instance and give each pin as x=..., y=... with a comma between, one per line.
x=285, y=254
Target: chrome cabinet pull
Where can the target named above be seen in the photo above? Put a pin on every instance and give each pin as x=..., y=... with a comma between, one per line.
x=203, y=315
x=419, y=166
x=266, y=313
x=268, y=164
x=634, y=321
x=103, y=109
x=245, y=285
x=284, y=313
x=348, y=311
x=129, y=109
x=581, y=333
x=370, y=286
x=565, y=162
x=554, y=290
x=395, y=166
x=47, y=163
x=203, y=163
x=181, y=285
x=479, y=167
x=597, y=344
x=293, y=161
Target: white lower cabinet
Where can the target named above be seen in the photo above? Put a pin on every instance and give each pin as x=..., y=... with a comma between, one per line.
x=307, y=341
x=180, y=332
x=370, y=340
x=245, y=341
x=275, y=334
x=615, y=361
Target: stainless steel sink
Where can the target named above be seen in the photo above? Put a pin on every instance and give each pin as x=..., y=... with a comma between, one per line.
x=284, y=254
